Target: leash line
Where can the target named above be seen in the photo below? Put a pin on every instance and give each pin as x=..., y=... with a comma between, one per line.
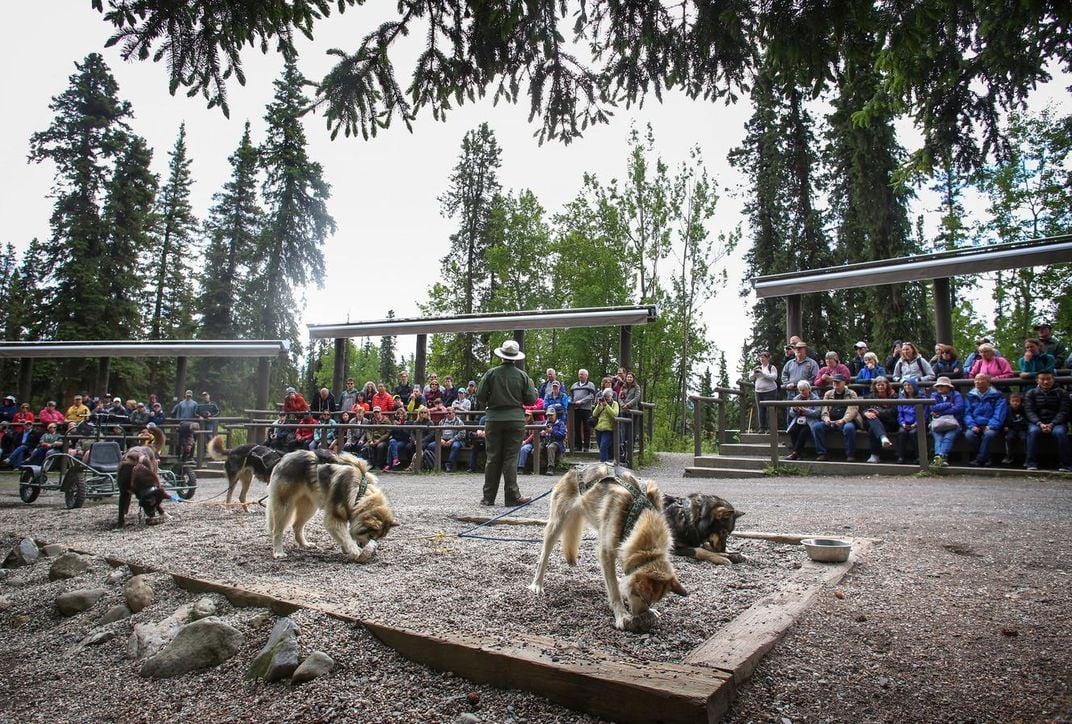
x=468, y=532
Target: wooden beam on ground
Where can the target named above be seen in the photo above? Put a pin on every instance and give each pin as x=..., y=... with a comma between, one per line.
x=500, y=521
x=772, y=537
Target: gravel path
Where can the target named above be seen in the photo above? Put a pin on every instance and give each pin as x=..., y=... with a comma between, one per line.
x=973, y=624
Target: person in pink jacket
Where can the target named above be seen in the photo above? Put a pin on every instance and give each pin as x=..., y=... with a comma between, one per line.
x=990, y=364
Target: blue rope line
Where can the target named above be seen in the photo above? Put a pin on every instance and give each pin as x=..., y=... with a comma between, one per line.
x=467, y=533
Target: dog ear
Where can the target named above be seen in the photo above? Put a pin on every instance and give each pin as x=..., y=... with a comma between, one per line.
x=738, y=513
x=724, y=513
x=676, y=587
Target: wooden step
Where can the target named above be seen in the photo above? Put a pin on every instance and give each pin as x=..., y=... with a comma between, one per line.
x=746, y=449
x=697, y=472
x=855, y=469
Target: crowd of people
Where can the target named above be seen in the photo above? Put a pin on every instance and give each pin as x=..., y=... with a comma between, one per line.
x=447, y=413
x=1033, y=408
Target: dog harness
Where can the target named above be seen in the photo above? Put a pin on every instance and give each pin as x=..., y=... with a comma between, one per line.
x=640, y=501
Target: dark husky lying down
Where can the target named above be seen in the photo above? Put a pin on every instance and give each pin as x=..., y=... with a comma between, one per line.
x=700, y=525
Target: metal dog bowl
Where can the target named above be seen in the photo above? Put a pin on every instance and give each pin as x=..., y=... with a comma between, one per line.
x=827, y=550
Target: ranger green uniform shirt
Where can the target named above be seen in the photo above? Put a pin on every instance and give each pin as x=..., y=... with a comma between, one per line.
x=503, y=390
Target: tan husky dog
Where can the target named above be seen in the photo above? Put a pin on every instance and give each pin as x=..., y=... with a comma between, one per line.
x=628, y=516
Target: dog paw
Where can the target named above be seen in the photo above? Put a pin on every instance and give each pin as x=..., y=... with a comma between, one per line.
x=623, y=621
x=736, y=557
x=536, y=588
x=278, y=554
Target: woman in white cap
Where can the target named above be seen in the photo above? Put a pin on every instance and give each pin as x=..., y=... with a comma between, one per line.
x=947, y=419
x=502, y=391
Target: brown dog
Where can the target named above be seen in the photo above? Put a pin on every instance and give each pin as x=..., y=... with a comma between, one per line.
x=139, y=476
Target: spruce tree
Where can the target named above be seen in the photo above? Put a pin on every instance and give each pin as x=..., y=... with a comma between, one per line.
x=388, y=361
x=233, y=229
x=88, y=128
x=289, y=251
x=172, y=283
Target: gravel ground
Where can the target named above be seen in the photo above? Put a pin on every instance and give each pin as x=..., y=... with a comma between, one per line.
x=973, y=624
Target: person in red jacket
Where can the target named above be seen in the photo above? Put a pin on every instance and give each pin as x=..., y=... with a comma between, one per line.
x=383, y=399
x=304, y=435
x=294, y=402
x=49, y=414
x=24, y=418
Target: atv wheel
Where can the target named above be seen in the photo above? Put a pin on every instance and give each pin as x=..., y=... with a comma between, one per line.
x=28, y=492
x=74, y=488
x=189, y=483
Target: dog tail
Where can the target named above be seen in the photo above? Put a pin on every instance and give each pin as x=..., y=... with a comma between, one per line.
x=158, y=439
x=216, y=450
x=651, y=490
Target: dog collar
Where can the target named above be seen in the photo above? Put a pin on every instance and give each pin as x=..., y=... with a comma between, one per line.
x=361, y=488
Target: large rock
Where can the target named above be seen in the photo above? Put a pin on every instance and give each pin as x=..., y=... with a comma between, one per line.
x=138, y=593
x=198, y=645
x=68, y=565
x=72, y=602
x=279, y=657
x=204, y=608
x=116, y=613
x=318, y=664
x=149, y=638
x=25, y=553
x=54, y=549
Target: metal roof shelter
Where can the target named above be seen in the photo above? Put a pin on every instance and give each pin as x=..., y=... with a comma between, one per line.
x=263, y=349
x=938, y=268
x=518, y=322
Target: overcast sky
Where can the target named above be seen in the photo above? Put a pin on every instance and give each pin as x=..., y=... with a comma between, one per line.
x=384, y=191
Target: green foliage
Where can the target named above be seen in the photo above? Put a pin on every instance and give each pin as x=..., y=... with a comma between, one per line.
x=388, y=367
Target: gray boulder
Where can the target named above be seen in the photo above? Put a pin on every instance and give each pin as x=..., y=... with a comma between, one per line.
x=72, y=602
x=5, y=603
x=204, y=608
x=116, y=613
x=25, y=553
x=148, y=638
x=279, y=657
x=68, y=565
x=54, y=549
x=138, y=593
x=117, y=575
x=318, y=664
x=198, y=645
x=97, y=637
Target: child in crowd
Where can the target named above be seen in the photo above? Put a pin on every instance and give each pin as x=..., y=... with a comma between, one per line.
x=907, y=421
x=1015, y=428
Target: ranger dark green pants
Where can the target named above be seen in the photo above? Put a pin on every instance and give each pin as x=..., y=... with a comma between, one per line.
x=503, y=445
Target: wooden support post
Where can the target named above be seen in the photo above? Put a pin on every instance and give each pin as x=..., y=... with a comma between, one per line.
x=26, y=379
x=519, y=337
x=264, y=374
x=420, y=359
x=180, y=377
x=773, y=413
x=943, y=311
x=338, y=374
x=722, y=419
x=104, y=370
x=921, y=437
x=639, y=433
x=616, y=441
x=697, y=427
x=794, y=320
x=625, y=347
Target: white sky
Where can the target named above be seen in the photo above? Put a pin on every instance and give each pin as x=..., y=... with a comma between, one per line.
x=384, y=191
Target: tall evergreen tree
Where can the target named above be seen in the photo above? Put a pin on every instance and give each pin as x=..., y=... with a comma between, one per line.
x=233, y=229
x=88, y=128
x=388, y=361
x=172, y=286
x=289, y=251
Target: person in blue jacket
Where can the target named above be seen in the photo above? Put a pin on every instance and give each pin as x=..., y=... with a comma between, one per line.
x=947, y=401
x=984, y=416
x=556, y=398
x=908, y=417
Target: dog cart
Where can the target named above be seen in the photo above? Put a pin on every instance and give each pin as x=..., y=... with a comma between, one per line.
x=96, y=476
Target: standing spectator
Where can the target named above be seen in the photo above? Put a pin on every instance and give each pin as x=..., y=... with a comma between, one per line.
x=790, y=353
x=552, y=377
x=403, y=388
x=842, y=418
x=604, y=413
x=450, y=392
x=433, y=392
x=1016, y=423
x=462, y=403
x=607, y=383
x=1050, y=345
x=503, y=390
x=1047, y=409
x=294, y=402
x=369, y=390
x=1035, y=360
x=362, y=402
x=825, y=376
x=207, y=410
x=948, y=407
x=325, y=401
x=617, y=383
x=946, y=363
x=50, y=414
x=880, y=420
x=984, y=416
x=556, y=399
x=857, y=362
x=629, y=394
x=23, y=419
x=77, y=412
x=895, y=356
x=432, y=377
x=186, y=408
x=800, y=367
x=911, y=364
x=383, y=399
x=156, y=415
x=582, y=399
x=988, y=362
x=8, y=409
x=765, y=377
x=348, y=397
x=801, y=417
x=470, y=391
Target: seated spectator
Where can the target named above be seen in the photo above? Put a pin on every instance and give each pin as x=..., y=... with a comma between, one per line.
x=361, y=402
x=477, y=442
x=403, y=388
x=880, y=420
x=140, y=416
x=1034, y=360
x=348, y=397
x=415, y=400
x=451, y=437
x=801, y=417
x=871, y=369
x=51, y=443
x=551, y=440
x=383, y=399
x=984, y=416
x=279, y=437
x=946, y=363
x=895, y=355
x=24, y=418
x=432, y=377
x=470, y=392
x=27, y=442
x=552, y=377
x=912, y=365
x=989, y=363
x=293, y=402
x=379, y=438
x=537, y=409
x=857, y=362
x=323, y=433
x=556, y=399
x=842, y=418
x=450, y=392
x=77, y=412
x=438, y=411
x=825, y=376
x=49, y=413
x=396, y=403
x=324, y=400
x=1049, y=345
x=1048, y=409
x=357, y=438
x=799, y=367
x=369, y=391
x=156, y=415
x=462, y=403
x=909, y=418
x=1015, y=428
x=528, y=439
x=969, y=362
x=303, y=436
x=398, y=439
x=433, y=393
x=948, y=407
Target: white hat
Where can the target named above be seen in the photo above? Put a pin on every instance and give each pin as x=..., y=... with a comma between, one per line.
x=860, y=344
x=510, y=350
x=943, y=382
